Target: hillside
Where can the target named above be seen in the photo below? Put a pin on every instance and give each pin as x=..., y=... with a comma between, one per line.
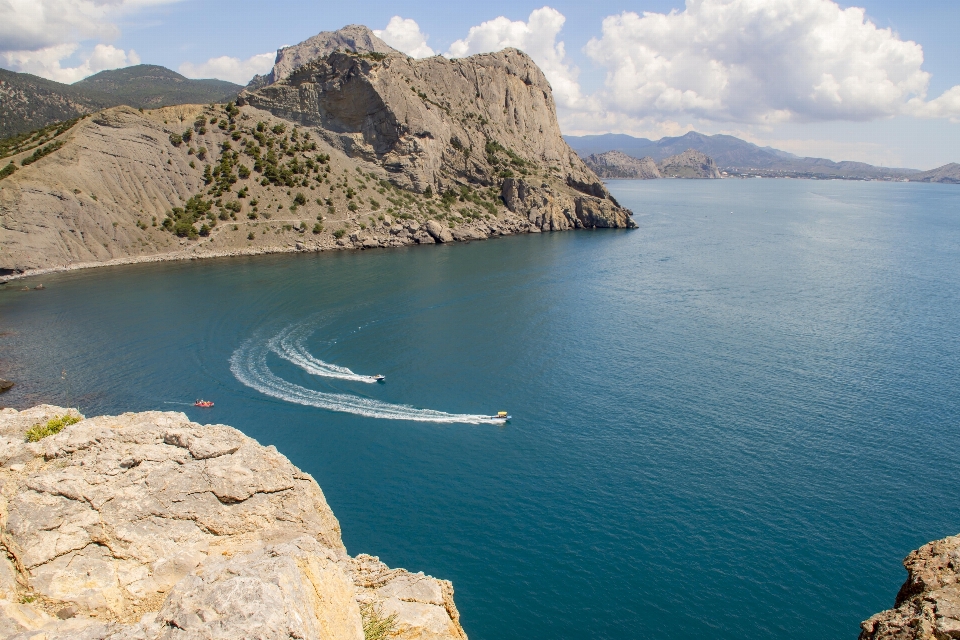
x=150, y=86
x=372, y=159
x=948, y=173
x=735, y=156
x=28, y=102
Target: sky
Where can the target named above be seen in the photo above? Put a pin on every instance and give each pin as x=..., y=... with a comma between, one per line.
x=874, y=81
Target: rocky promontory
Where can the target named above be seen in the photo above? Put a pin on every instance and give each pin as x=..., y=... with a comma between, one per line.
x=928, y=604
x=689, y=164
x=347, y=144
x=148, y=526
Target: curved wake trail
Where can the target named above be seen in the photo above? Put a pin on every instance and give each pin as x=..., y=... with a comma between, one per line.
x=249, y=365
x=288, y=344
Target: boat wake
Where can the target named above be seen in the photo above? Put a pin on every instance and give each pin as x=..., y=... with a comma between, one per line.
x=249, y=365
x=289, y=345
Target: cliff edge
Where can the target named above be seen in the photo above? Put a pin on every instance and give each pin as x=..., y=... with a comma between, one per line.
x=148, y=526
x=928, y=603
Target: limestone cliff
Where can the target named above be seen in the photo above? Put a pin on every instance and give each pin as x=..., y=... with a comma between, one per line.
x=689, y=164
x=148, y=526
x=350, y=150
x=616, y=164
x=440, y=124
x=928, y=604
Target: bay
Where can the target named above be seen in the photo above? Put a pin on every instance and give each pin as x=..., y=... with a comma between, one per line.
x=733, y=422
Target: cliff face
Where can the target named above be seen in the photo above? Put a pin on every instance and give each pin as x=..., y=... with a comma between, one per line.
x=928, y=604
x=441, y=124
x=148, y=526
x=689, y=164
x=351, y=150
x=616, y=164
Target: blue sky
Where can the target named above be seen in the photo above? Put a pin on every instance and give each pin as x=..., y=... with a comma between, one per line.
x=806, y=76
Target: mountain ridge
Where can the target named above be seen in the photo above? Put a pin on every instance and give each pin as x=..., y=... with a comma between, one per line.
x=29, y=102
x=735, y=156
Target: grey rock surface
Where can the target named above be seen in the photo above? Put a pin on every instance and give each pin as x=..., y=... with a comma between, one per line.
x=616, y=164
x=149, y=526
x=689, y=164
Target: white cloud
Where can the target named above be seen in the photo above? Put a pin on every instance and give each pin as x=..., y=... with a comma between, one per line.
x=405, y=35
x=536, y=37
x=37, y=36
x=47, y=62
x=761, y=61
x=231, y=69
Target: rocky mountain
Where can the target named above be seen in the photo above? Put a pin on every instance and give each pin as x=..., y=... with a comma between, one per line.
x=616, y=164
x=28, y=102
x=439, y=125
x=949, y=173
x=352, y=150
x=735, y=156
x=147, y=526
x=354, y=37
x=928, y=603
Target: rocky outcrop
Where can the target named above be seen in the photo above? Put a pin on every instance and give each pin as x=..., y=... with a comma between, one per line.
x=322, y=159
x=689, y=164
x=355, y=37
x=928, y=604
x=148, y=526
x=435, y=124
x=616, y=164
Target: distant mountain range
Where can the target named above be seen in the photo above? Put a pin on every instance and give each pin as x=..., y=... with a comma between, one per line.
x=28, y=102
x=736, y=156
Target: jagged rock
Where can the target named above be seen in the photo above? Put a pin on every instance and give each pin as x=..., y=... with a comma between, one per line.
x=928, y=603
x=616, y=164
x=355, y=37
x=149, y=526
x=689, y=164
x=438, y=123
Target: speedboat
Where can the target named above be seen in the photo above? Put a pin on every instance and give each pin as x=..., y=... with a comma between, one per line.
x=206, y=404
x=378, y=378
x=500, y=417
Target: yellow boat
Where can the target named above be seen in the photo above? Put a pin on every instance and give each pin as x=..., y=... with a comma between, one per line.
x=501, y=416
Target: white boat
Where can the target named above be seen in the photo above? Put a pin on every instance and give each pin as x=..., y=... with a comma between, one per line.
x=378, y=378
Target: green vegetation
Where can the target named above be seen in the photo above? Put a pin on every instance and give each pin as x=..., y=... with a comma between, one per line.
x=376, y=626
x=339, y=233
x=176, y=139
x=300, y=200
x=42, y=151
x=180, y=220
x=26, y=141
x=38, y=432
x=7, y=171
x=317, y=228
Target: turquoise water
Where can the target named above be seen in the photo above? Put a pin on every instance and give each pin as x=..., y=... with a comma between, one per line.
x=731, y=423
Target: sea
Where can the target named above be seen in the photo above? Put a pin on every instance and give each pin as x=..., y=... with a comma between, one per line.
x=733, y=422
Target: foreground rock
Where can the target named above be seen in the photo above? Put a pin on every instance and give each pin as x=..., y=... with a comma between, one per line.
x=147, y=526
x=928, y=603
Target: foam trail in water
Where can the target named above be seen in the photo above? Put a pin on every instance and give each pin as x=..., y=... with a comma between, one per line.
x=249, y=366
x=288, y=344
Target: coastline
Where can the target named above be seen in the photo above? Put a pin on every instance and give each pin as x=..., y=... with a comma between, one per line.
x=412, y=235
